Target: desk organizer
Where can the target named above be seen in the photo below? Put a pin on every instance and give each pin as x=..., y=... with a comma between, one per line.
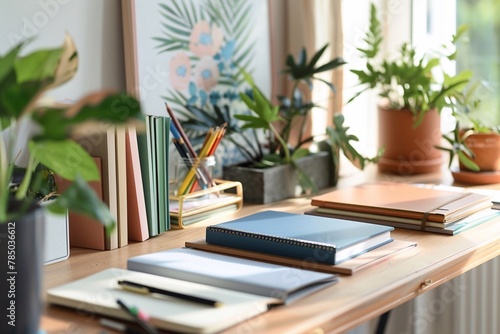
x=223, y=198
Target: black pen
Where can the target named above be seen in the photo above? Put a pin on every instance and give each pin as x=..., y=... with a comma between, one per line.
x=141, y=288
x=149, y=329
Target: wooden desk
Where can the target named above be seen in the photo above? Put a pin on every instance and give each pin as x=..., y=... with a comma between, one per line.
x=352, y=301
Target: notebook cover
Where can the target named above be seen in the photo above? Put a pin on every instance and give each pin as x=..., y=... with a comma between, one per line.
x=234, y=273
x=402, y=200
x=299, y=236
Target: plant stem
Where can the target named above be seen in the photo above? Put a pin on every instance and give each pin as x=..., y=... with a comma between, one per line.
x=6, y=167
x=25, y=183
x=282, y=143
x=4, y=179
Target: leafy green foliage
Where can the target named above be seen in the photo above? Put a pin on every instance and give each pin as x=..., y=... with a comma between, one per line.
x=197, y=122
x=409, y=81
x=23, y=79
x=275, y=121
x=459, y=148
x=266, y=116
x=340, y=140
x=464, y=105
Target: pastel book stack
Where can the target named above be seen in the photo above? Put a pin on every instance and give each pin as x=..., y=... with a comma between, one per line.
x=406, y=206
x=298, y=236
x=239, y=290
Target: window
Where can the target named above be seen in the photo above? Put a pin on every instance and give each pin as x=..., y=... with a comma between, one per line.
x=435, y=21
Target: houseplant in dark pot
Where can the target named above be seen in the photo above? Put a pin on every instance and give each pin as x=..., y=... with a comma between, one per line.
x=475, y=143
x=23, y=81
x=413, y=88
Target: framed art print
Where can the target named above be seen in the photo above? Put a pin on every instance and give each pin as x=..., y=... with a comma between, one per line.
x=192, y=53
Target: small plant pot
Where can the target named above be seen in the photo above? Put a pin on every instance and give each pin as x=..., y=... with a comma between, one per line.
x=409, y=150
x=486, y=148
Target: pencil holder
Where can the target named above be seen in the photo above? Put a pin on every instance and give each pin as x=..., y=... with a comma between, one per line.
x=193, y=174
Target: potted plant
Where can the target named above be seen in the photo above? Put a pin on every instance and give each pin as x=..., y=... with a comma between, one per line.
x=276, y=163
x=414, y=88
x=476, y=144
x=23, y=81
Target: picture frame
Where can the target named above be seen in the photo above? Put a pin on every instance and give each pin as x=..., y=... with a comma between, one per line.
x=191, y=52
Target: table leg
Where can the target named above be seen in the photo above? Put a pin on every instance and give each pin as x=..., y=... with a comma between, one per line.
x=382, y=323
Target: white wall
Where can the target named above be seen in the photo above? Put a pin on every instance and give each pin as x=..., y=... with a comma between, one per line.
x=95, y=26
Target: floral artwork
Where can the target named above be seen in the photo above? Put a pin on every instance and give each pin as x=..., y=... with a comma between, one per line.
x=189, y=52
x=209, y=41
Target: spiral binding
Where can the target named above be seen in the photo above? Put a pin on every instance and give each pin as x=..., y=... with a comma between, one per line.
x=272, y=238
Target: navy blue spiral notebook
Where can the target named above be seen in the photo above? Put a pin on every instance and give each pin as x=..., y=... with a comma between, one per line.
x=305, y=237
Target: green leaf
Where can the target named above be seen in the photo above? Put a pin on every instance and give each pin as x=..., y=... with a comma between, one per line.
x=7, y=61
x=15, y=98
x=305, y=181
x=330, y=65
x=468, y=162
x=116, y=108
x=81, y=198
x=316, y=57
x=38, y=66
x=300, y=153
x=66, y=158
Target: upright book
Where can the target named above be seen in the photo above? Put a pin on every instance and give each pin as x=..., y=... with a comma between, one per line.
x=299, y=236
x=84, y=231
x=404, y=201
x=137, y=216
x=103, y=146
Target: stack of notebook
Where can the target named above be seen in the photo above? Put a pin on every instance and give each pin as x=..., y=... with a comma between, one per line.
x=406, y=206
x=316, y=243
x=190, y=291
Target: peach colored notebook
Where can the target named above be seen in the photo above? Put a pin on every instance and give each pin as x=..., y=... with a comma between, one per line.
x=121, y=185
x=85, y=232
x=404, y=200
x=137, y=217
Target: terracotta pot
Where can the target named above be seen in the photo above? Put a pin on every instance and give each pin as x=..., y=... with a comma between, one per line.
x=409, y=150
x=486, y=148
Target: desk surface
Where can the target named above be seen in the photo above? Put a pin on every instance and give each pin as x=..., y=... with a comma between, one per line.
x=354, y=300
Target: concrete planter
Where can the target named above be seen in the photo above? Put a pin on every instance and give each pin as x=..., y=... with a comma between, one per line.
x=268, y=185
